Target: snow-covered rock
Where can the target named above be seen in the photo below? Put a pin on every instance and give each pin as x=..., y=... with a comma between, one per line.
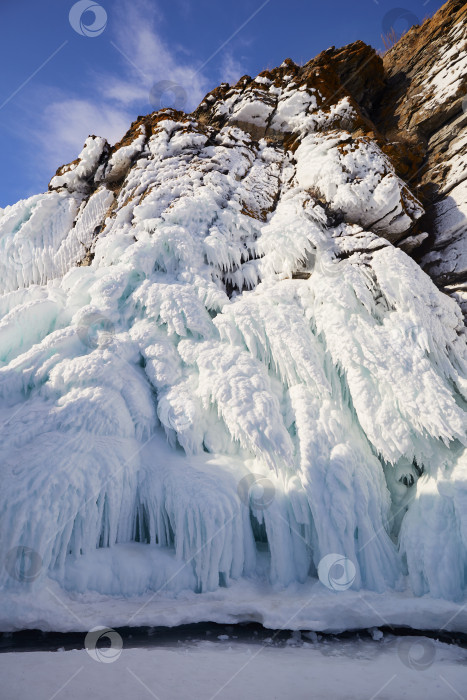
x=423, y=112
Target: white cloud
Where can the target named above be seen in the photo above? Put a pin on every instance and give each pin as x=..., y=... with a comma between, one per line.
x=142, y=59
x=123, y=92
x=68, y=122
x=63, y=120
x=149, y=59
x=230, y=70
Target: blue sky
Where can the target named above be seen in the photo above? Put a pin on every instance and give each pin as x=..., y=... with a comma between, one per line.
x=58, y=85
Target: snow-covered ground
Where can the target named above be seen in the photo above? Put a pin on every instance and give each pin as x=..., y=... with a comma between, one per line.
x=389, y=668
x=309, y=606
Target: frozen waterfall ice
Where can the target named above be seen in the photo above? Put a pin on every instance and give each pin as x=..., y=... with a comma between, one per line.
x=246, y=378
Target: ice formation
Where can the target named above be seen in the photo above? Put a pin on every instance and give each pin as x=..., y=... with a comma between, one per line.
x=216, y=364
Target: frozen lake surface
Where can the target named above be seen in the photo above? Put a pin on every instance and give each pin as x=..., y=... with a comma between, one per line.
x=217, y=661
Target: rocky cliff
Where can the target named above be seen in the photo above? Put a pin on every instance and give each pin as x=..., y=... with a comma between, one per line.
x=409, y=106
x=222, y=360
x=423, y=110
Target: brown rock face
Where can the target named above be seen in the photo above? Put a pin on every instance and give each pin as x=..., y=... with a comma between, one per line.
x=359, y=69
x=423, y=111
x=354, y=71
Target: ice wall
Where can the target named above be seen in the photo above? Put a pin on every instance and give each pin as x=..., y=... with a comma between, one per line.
x=246, y=377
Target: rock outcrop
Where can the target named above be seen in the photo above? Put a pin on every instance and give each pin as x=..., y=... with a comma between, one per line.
x=423, y=110
x=408, y=109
